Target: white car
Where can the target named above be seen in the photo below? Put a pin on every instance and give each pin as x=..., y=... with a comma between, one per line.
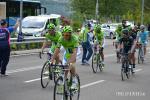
x=36, y=26
x=109, y=29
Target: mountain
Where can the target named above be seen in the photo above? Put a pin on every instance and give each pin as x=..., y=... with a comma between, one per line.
x=56, y=6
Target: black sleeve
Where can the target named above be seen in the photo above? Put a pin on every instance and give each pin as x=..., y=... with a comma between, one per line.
x=134, y=36
x=131, y=40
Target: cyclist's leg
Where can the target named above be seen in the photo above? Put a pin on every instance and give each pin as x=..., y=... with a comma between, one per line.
x=72, y=69
x=84, y=53
x=64, y=63
x=133, y=59
x=102, y=53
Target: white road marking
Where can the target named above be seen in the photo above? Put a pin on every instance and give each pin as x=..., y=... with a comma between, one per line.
x=29, y=81
x=86, y=85
x=83, y=86
x=91, y=84
x=137, y=70
x=24, y=69
x=38, y=67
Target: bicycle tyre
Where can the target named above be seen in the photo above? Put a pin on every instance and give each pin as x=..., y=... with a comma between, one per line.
x=77, y=92
x=56, y=74
x=59, y=91
x=100, y=63
x=45, y=67
x=94, y=63
x=122, y=74
x=128, y=72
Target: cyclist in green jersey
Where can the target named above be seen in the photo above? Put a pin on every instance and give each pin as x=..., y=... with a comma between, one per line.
x=100, y=40
x=118, y=33
x=70, y=43
x=52, y=37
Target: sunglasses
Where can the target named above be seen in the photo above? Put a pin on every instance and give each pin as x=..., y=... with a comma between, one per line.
x=51, y=30
x=66, y=35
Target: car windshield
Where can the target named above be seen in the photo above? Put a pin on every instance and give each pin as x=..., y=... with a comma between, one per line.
x=33, y=23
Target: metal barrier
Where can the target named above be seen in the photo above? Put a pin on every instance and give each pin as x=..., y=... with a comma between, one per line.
x=27, y=43
x=27, y=40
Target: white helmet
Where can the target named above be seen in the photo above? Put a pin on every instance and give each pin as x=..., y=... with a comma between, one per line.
x=142, y=27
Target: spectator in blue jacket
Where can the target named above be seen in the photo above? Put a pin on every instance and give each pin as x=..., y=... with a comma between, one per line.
x=5, y=45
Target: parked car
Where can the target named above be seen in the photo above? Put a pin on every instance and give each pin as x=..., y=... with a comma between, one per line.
x=36, y=25
x=109, y=29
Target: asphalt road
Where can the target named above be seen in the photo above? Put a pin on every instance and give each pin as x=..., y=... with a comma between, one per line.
x=23, y=82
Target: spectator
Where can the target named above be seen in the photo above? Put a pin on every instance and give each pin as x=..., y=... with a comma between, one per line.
x=148, y=28
x=85, y=38
x=5, y=45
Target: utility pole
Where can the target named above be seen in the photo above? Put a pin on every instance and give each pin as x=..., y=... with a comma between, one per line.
x=96, y=10
x=20, y=35
x=142, y=14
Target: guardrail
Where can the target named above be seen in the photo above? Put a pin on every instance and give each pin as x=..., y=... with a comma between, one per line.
x=27, y=40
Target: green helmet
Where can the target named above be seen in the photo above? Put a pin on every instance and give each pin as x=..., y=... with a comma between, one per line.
x=67, y=29
x=97, y=28
x=50, y=26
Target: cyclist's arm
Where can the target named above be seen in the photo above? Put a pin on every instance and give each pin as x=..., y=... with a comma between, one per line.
x=120, y=46
x=45, y=43
x=56, y=52
x=73, y=56
x=103, y=42
x=133, y=46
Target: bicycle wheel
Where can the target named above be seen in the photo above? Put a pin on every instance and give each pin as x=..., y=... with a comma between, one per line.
x=94, y=63
x=45, y=74
x=101, y=66
x=127, y=70
x=75, y=93
x=57, y=73
x=59, y=90
x=122, y=74
x=140, y=56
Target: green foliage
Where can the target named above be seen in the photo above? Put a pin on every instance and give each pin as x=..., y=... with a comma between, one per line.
x=111, y=9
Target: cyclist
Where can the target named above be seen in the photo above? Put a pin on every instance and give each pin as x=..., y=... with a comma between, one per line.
x=142, y=37
x=133, y=34
x=70, y=43
x=127, y=44
x=99, y=37
x=118, y=33
x=124, y=24
x=52, y=37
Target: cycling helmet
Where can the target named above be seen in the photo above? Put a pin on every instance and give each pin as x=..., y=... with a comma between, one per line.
x=67, y=29
x=50, y=26
x=142, y=27
x=125, y=31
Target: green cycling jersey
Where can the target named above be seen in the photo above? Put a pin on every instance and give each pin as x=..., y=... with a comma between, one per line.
x=69, y=45
x=99, y=37
x=54, y=40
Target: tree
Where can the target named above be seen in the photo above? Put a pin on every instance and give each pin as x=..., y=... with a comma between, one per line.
x=130, y=9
